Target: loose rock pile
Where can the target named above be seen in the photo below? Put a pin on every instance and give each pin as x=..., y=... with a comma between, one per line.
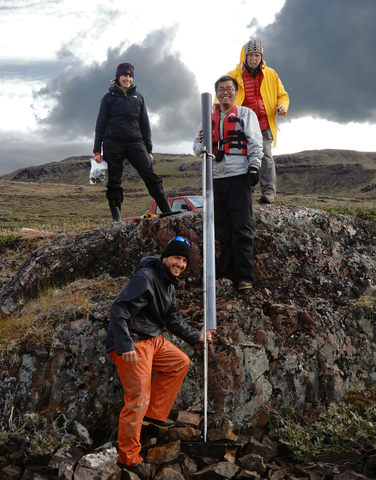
x=178, y=453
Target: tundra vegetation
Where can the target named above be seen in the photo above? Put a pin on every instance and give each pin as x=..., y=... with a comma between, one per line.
x=40, y=205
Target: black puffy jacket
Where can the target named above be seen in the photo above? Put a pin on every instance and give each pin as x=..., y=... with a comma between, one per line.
x=123, y=117
x=146, y=305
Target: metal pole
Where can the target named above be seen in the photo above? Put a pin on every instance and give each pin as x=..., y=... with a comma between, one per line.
x=210, y=314
x=204, y=161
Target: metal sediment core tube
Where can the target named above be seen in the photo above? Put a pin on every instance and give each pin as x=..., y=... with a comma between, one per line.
x=210, y=313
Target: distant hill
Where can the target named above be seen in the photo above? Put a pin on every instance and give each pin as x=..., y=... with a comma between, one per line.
x=323, y=172
x=75, y=171
x=58, y=194
x=328, y=172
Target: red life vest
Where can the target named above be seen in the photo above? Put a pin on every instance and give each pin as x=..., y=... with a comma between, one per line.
x=233, y=141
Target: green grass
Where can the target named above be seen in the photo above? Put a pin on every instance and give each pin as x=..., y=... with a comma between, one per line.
x=342, y=432
x=53, y=206
x=59, y=206
x=365, y=213
x=9, y=239
x=43, y=436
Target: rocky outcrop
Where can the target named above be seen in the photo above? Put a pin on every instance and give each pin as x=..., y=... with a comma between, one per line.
x=114, y=250
x=303, y=336
x=169, y=458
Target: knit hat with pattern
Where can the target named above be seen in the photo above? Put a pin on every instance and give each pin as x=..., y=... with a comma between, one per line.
x=253, y=46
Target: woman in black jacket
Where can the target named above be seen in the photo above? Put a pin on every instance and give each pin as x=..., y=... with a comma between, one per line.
x=123, y=129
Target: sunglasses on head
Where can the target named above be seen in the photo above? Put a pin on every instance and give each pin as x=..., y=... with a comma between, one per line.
x=180, y=239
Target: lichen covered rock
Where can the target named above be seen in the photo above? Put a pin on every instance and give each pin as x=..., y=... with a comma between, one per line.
x=304, y=335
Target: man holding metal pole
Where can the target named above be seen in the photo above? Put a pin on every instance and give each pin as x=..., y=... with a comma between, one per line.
x=144, y=307
x=261, y=89
x=238, y=149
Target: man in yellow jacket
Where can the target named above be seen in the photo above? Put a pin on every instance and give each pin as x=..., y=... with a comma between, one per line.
x=261, y=90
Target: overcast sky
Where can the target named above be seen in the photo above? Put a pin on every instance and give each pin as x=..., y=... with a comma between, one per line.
x=58, y=57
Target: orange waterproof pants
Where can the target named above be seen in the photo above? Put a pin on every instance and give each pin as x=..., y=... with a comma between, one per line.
x=144, y=397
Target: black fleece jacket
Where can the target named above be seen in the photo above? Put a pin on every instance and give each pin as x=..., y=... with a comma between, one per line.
x=123, y=117
x=146, y=305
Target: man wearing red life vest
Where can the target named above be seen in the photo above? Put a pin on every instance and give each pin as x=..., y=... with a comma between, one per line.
x=261, y=90
x=237, y=144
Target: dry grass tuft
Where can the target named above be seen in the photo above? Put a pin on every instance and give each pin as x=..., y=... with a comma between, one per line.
x=32, y=328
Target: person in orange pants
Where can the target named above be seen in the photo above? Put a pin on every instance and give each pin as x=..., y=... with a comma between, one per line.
x=147, y=304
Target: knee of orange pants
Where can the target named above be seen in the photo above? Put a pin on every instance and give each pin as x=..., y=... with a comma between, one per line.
x=166, y=385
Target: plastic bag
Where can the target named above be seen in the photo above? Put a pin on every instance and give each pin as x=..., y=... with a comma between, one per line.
x=98, y=172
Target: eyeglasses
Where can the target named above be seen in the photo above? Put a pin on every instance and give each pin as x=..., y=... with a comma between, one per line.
x=228, y=90
x=180, y=239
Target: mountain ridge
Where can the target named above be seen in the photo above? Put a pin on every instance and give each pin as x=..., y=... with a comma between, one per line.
x=74, y=170
x=58, y=194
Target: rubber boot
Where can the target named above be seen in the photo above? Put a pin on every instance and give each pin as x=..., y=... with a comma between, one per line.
x=163, y=204
x=115, y=210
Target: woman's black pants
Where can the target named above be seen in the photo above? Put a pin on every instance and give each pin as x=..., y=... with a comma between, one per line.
x=114, y=154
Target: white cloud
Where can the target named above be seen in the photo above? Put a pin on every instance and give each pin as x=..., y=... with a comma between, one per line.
x=41, y=39
x=313, y=134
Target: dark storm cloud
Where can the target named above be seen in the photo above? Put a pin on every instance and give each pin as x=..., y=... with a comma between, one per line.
x=169, y=88
x=323, y=51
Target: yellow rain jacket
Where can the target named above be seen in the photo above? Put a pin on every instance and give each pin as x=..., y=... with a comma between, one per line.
x=272, y=92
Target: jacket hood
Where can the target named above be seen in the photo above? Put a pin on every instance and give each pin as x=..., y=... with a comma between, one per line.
x=158, y=266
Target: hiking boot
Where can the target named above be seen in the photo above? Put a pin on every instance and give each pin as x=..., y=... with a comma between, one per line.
x=244, y=285
x=266, y=198
x=158, y=423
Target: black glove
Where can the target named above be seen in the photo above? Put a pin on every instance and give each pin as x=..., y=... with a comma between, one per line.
x=253, y=176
